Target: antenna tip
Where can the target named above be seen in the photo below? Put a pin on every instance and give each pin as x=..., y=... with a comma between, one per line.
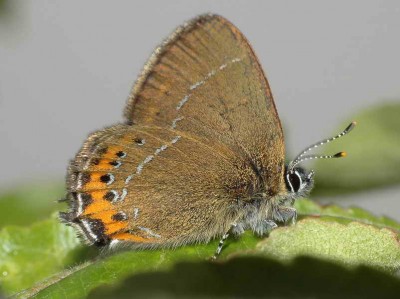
x=350, y=126
x=340, y=155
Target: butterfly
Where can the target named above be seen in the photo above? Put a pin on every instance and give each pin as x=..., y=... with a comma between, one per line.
x=200, y=154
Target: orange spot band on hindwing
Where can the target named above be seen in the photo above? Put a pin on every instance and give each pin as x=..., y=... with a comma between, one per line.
x=115, y=227
x=96, y=181
x=98, y=204
x=104, y=164
x=112, y=152
x=111, y=226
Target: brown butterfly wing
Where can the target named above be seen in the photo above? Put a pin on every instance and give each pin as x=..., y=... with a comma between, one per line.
x=152, y=185
x=205, y=79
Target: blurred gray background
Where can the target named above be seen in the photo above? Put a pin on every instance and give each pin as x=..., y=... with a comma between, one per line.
x=66, y=69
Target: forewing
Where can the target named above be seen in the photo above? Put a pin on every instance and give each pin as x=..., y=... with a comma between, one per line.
x=206, y=80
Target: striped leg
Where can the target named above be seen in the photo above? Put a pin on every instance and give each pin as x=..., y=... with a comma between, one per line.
x=221, y=243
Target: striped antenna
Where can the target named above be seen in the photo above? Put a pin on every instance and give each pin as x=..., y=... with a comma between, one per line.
x=302, y=157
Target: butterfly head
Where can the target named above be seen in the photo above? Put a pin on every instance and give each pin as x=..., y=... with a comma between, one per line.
x=300, y=182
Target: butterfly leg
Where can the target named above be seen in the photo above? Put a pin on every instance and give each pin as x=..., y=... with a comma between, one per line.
x=222, y=241
x=270, y=225
x=286, y=214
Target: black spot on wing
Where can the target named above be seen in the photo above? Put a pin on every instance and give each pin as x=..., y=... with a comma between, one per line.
x=120, y=216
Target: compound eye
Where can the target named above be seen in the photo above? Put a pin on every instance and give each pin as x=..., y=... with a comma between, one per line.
x=294, y=181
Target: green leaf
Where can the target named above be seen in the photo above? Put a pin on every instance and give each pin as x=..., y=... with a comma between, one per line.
x=256, y=277
x=111, y=269
x=31, y=254
x=373, y=154
x=308, y=208
x=318, y=238
x=30, y=203
x=353, y=244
